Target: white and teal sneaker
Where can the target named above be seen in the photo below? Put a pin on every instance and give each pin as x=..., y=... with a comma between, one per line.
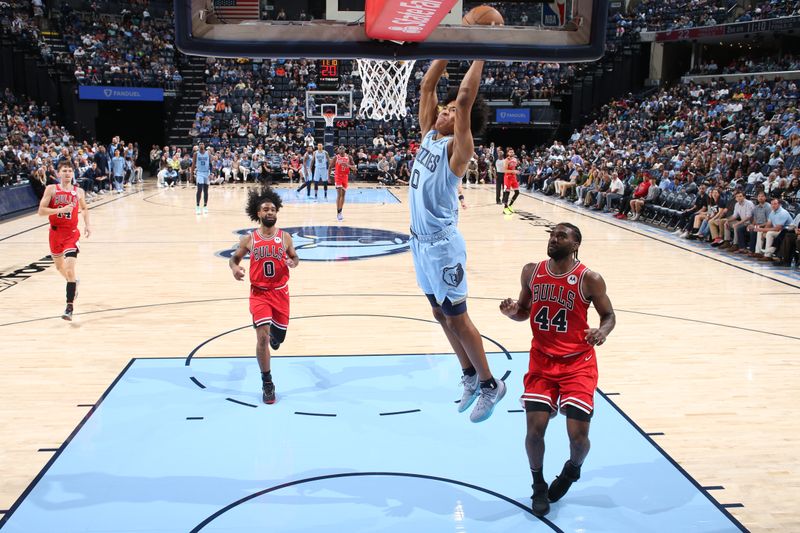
x=471, y=386
x=487, y=399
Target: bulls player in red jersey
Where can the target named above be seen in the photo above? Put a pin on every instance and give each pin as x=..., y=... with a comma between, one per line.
x=344, y=164
x=562, y=374
x=61, y=203
x=271, y=256
x=510, y=181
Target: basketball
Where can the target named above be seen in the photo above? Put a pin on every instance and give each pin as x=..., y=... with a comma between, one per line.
x=483, y=16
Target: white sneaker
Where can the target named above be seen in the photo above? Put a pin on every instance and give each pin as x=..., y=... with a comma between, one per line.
x=471, y=385
x=677, y=232
x=205, y=210
x=339, y=217
x=487, y=399
x=197, y=210
x=684, y=235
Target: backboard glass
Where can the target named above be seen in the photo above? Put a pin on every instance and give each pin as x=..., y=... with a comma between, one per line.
x=563, y=31
x=341, y=102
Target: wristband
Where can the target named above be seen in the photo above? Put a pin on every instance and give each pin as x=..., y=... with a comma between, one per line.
x=460, y=196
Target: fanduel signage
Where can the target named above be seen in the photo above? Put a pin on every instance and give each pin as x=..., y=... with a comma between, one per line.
x=514, y=115
x=139, y=94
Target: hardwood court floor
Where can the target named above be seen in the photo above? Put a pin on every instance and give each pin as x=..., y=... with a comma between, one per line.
x=705, y=351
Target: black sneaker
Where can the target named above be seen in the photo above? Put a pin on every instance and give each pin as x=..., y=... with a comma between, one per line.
x=67, y=313
x=561, y=484
x=273, y=343
x=268, y=389
x=540, y=505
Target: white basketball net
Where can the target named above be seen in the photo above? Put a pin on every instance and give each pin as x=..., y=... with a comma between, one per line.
x=329, y=118
x=384, y=84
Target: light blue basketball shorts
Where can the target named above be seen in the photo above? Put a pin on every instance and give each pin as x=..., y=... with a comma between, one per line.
x=320, y=175
x=441, y=267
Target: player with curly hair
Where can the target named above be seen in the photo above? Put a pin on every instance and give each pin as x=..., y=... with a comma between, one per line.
x=271, y=256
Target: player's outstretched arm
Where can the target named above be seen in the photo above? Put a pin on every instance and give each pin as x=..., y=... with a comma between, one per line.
x=292, y=259
x=238, y=255
x=594, y=288
x=463, y=143
x=428, y=100
x=520, y=309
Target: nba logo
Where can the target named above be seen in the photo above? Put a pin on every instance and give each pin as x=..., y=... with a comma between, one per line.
x=554, y=13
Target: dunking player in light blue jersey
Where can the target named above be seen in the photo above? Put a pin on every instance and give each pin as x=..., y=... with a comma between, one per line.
x=322, y=169
x=305, y=169
x=201, y=168
x=438, y=248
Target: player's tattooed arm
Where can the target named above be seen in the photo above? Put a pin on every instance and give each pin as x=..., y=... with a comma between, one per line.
x=238, y=255
x=594, y=289
x=520, y=309
x=292, y=259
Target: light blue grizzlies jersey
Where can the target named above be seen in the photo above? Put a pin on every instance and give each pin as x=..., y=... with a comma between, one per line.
x=320, y=165
x=433, y=188
x=203, y=164
x=437, y=247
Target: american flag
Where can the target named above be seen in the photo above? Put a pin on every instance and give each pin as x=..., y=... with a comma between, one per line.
x=236, y=10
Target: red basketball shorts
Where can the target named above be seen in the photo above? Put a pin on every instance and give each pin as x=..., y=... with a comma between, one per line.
x=270, y=307
x=341, y=180
x=559, y=382
x=64, y=241
x=510, y=181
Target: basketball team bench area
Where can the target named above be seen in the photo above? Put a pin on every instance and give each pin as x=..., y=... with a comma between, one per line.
x=354, y=444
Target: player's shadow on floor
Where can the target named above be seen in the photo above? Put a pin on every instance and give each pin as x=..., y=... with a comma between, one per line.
x=635, y=486
x=317, y=377
x=395, y=496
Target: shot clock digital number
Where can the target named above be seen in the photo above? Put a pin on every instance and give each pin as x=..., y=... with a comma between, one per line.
x=329, y=74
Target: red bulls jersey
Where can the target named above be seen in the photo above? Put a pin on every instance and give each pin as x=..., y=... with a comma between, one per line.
x=268, y=269
x=559, y=311
x=342, y=165
x=511, y=163
x=60, y=199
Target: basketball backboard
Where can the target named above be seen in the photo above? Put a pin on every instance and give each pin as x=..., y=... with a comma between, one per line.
x=338, y=102
x=562, y=31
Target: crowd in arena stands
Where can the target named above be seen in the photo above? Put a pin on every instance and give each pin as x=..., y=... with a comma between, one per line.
x=128, y=49
x=20, y=20
x=525, y=80
x=660, y=15
x=269, y=163
x=32, y=145
x=786, y=62
x=680, y=157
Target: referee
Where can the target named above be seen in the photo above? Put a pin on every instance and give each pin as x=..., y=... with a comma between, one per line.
x=500, y=166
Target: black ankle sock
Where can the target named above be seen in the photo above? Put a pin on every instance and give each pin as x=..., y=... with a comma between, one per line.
x=489, y=384
x=71, y=291
x=505, y=198
x=266, y=377
x=538, y=476
x=338, y=211
x=469, y=371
